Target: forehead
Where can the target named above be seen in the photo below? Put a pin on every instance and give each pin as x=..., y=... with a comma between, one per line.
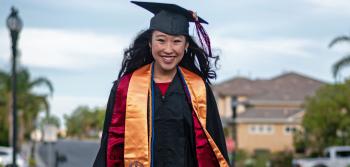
x=157, y=33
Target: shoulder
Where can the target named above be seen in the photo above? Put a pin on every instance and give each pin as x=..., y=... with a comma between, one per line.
x=210, y=93
x=189, y=74
x=122, y=83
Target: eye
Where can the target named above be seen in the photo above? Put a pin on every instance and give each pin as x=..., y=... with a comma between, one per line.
x=160, y=40
x=177, y=41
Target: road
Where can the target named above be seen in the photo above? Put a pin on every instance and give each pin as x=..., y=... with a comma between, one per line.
x=77, y=153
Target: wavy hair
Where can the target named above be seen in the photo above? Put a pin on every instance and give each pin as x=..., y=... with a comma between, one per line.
x=195, y=59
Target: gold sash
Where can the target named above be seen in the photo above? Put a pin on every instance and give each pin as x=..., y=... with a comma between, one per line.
x=136, y=147
x=197, y=89
x=137, y=136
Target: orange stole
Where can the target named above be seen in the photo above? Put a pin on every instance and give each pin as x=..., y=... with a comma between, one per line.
x=137, y=135
x=136, y=146
x=197, y=89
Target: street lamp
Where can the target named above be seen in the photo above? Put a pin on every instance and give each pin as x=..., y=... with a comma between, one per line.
x=234, y=105
x=14, y=24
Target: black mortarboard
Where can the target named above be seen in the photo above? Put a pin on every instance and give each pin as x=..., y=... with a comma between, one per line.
x=169, y=18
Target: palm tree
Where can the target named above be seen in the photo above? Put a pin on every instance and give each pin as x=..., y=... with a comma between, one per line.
x=343, y=62
x=4, y=124
x=29, y=103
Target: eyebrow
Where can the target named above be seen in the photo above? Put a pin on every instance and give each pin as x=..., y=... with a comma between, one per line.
x=163, y=35
x=160, y=35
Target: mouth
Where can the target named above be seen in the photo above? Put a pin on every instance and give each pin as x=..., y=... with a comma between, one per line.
x=168, y=59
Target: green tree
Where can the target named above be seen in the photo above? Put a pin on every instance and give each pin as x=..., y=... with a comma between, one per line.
x=29, y=103
x=327, y=118
x=50, y=119
x=282, y=158
x=343, y=62
x=84, y=122
x=4, y=126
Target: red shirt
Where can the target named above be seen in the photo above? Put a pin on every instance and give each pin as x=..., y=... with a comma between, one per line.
x=163, y=87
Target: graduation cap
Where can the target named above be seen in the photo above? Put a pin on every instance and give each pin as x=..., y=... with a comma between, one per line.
x=170, y=18
x=174, y=20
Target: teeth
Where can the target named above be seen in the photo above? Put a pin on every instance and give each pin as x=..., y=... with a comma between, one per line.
x=168, y=59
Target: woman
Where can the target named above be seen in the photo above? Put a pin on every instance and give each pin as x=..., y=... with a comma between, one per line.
x=161, y=111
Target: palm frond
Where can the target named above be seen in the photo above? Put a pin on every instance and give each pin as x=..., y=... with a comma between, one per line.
x=339, y=39
x=42, y=101
x=42, y=81
x=340, y=64
x=46, y=104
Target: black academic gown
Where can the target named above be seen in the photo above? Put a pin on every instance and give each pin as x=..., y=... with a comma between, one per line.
x=173, y=128
x=174, y=132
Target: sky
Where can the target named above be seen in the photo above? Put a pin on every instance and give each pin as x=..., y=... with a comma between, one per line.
x=78, y=44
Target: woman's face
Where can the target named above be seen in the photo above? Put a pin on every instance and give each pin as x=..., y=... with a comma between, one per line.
x=167, y=50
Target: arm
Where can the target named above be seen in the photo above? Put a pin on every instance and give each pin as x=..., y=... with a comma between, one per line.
x=100, y=160
x=214, y=125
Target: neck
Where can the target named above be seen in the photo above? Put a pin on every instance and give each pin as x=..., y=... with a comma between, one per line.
x=161, y=76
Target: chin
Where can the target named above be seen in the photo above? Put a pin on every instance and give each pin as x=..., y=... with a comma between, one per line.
x=168, y=67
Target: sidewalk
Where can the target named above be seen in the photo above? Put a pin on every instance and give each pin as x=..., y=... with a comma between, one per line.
x=38, y=160
x=26, y=150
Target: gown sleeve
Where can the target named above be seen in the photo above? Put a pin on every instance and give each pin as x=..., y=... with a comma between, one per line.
x=100, y=160
x=214, y=125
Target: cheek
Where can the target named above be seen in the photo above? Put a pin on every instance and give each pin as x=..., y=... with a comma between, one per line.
x=180, y=50
x=181, y=54
x=154, y=49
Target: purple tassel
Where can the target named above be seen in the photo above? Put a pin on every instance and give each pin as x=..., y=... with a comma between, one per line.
x=202, y=35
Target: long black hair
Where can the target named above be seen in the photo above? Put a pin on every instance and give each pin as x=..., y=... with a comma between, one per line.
x=195, y=58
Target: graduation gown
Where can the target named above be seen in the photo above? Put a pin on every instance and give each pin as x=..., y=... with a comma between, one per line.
x=176, y=136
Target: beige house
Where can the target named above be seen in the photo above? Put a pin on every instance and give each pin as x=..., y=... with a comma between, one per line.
x=268, y=111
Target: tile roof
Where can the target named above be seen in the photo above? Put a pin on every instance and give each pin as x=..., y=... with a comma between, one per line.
x=268, y=113
x=286, y=87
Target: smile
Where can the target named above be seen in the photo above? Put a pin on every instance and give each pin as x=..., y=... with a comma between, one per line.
x=168, y=59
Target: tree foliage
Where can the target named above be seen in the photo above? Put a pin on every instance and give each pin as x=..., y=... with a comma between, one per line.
x=84, y=122
x=50, y=119
x=343, y=62
x=327, y=118
x=29, y=103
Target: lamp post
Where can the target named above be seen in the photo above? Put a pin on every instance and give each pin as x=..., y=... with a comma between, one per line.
x=234, y=104
x=14, y=24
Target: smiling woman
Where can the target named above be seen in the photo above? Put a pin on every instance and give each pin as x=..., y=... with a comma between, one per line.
x=167, y=52
x=161, y=110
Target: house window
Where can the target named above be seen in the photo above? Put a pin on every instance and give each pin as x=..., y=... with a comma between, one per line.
x=268, y=128
x=289, y=129
x=261, y=129
x=252, y=129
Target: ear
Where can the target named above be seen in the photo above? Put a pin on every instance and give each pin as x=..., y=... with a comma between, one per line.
x=187, y=45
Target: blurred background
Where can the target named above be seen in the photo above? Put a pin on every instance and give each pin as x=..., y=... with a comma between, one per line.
x=282, y=88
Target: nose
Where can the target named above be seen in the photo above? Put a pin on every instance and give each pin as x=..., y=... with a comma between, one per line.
x=168, y=48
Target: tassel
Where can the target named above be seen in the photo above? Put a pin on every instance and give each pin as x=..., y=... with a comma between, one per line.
x=202, y=35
